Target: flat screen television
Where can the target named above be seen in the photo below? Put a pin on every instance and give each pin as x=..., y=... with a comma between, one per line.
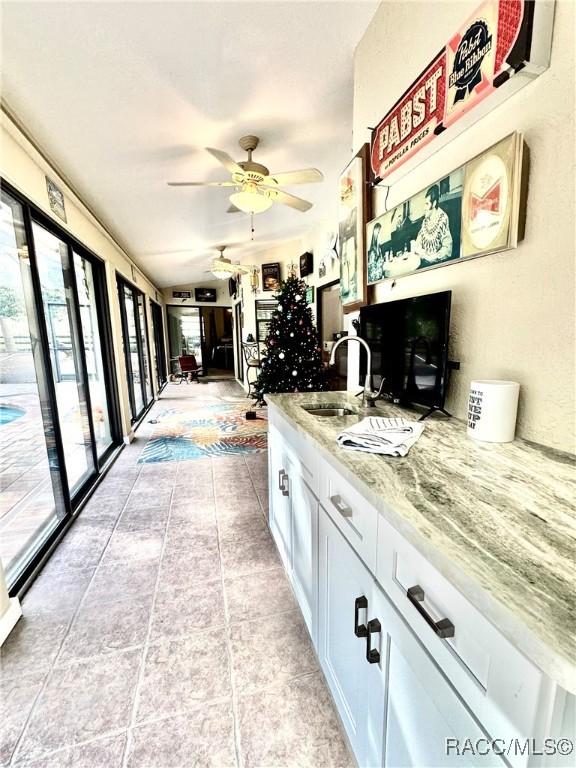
x=409, y=343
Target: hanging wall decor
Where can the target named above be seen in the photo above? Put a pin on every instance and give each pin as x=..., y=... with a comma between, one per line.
x=472, y=211
x=56, y=199
x=271, y=276
x=306, y=264
x=492, y=199
x=353, y=205
x=503, y=46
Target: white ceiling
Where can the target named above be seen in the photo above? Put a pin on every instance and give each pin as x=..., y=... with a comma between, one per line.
x=124, y=97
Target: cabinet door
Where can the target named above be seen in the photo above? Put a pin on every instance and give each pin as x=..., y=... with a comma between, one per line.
x=279, y=496
x=357, y=685
x=304, y=508
x=427, y=724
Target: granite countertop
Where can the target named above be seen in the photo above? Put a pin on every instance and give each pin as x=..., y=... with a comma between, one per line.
x=497, y=520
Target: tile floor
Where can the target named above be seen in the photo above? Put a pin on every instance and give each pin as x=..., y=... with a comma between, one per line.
x=163, y=631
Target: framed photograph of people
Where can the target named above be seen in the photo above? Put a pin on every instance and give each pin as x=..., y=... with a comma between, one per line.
x=491, y=199
x=270, y=277
x=353, y=212
x=421, y=232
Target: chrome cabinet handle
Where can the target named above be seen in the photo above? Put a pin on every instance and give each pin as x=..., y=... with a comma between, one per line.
x=282, y=476
x=372, y=655
x=359, y=603
x=444, y=627
x=343, y=508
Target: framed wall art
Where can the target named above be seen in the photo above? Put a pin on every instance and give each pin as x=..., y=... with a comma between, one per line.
x=271, y=277
x=491, y=203
x=421, y=232
x=205, y=294
x=472, y=211
x=56, y=199
x=306, y=264
x=353, y=212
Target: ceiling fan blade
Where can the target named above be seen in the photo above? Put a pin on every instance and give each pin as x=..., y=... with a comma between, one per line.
x=233, y=209
x=304, y=176
x=224, y=158
x=279, y=196
x=201, y=184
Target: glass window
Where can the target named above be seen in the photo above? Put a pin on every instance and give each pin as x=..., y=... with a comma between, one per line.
x=144, y=347
x=67, y=369
x=93, y=353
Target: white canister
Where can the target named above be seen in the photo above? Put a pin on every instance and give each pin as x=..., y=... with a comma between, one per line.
x=492, y=408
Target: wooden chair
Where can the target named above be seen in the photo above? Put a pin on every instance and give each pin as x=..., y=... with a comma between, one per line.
x=189, y=369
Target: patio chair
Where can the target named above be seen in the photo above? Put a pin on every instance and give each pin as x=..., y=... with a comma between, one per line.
x=189, y=369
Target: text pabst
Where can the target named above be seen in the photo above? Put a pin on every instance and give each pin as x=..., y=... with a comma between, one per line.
x=413, y=112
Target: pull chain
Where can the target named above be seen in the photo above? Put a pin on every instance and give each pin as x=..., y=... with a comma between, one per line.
x=252, y=227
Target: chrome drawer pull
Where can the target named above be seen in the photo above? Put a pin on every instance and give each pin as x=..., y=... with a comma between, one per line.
x=344, y=510
x=444, y=627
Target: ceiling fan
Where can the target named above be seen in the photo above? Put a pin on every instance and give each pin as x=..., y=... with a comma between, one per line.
x=223, y=269
x=256, y=188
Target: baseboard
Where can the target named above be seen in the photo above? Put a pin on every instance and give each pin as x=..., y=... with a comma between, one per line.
x=10, y=619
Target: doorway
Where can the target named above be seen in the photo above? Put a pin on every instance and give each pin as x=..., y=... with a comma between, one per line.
x=206, y=333
x=331, y=322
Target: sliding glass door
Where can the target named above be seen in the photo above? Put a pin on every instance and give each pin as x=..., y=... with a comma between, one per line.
x=135, y=337
x=68, y=370
x=58, y=411
x=160, y=356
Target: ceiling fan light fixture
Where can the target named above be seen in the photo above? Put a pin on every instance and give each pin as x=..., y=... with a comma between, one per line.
x=251, y=202
x=220, y=274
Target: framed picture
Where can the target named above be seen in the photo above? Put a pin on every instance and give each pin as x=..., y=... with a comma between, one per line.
x=56, y=199
x=310, y=294
x=306, y=264
x=232, y=287
x=492, y=199
x=271, y=277
x=421, y=232
x=353, y=212
x=205, y=294
x=181, y=294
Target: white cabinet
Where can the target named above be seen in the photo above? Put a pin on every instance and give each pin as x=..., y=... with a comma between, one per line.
x=345, y=589
x=293, y=519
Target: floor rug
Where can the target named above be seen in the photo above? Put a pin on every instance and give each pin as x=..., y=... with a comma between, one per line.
x=212, y=430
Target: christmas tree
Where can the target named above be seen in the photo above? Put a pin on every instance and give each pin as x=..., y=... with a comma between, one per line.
x=293, y=361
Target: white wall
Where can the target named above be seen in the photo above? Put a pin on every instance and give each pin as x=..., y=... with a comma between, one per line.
x=22, y=165
x=513, y=313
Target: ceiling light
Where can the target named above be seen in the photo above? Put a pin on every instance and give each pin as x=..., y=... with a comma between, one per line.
x=221, y=274
x=251, y=201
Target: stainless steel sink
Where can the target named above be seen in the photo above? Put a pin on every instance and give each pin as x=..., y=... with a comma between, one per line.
x=328, y=410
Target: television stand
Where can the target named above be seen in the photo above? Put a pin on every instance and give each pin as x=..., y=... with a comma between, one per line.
x=434, y=409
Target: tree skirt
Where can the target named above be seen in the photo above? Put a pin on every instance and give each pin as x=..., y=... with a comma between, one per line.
x=213, y=430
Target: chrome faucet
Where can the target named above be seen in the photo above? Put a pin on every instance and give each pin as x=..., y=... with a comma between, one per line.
x=367, y=394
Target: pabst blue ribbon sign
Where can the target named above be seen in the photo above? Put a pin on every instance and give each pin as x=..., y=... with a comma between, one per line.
x=493, y=46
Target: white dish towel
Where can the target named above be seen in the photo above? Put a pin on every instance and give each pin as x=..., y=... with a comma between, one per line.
x=375, y=434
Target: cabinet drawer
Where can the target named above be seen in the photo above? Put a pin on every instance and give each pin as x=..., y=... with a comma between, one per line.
x=357, y=520
x=490, y=674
